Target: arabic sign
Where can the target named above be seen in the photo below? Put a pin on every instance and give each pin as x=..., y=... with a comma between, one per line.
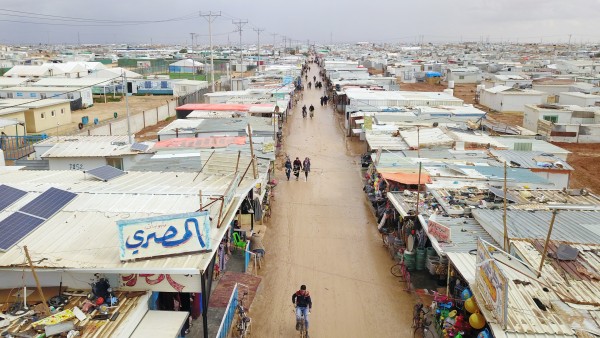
x=160, y=282
x=201, y=142
x=438, y=231
x=164, y=235
x=491, y=283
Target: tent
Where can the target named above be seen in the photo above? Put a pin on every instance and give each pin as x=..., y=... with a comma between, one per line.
x=186, y=66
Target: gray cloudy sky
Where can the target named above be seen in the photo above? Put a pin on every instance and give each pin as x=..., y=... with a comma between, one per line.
x=317, y=20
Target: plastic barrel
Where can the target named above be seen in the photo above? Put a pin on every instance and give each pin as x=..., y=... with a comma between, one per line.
x=85, y=120
x=409, y=260
x=420, y=259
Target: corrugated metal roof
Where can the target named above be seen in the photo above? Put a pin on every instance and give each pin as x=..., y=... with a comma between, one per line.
x=426, y=137
x=537, y=145
x=90, y=148
x=534, y=224
x=527, y=159
x=385, y=141
x=83, y=236
x=221, y=106
x=474, y=137
x=574, y=280
x=517, y=175
x=463, y=233
x=82, y=138
x=525, y=319
x=71, y=82
x=544, y=198
x=262, y=125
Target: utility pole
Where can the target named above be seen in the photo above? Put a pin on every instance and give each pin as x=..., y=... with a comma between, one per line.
x=211, y=17
x=258, y=30
x=274, y=41
x=127, y=107
x=284, y=45
x=239, y=25
x=193, y=62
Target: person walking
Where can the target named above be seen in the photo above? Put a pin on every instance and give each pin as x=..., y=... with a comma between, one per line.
x=306, y=168
x=288, y=167
x=297, y=167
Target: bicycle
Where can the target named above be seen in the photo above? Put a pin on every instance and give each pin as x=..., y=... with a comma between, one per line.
x=421, y=322
x=399, y=270
x=243, y=325
x=301, y=324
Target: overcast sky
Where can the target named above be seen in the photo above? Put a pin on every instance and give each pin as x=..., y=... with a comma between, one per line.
x=319, y=21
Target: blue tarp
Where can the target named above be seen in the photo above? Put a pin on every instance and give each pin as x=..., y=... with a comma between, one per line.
x=433, y=74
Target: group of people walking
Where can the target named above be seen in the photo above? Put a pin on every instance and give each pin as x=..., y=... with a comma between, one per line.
x=296, y=167
x=324, y=100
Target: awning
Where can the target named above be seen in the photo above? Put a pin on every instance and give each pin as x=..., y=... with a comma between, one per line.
x=407, y=178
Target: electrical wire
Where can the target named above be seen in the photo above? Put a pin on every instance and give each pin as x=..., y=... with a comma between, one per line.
x=83, y=21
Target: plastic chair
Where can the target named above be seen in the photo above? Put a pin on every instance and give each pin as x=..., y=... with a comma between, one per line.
x=237, y=241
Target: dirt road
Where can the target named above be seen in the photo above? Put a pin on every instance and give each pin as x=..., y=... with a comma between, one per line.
x=323, y=234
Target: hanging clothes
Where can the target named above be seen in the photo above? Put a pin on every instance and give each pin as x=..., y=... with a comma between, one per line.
x=257, y=209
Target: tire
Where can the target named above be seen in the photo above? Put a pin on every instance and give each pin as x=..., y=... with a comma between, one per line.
x=419, y=332
x=396, y=270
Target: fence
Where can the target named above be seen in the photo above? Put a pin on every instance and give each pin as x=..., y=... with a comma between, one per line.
x=138, y=121
x=16, y=147
x=229, y=314
x=146, y=118
x=195, y=97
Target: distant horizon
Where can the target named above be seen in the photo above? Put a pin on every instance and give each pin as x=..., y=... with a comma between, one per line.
x=27, y=22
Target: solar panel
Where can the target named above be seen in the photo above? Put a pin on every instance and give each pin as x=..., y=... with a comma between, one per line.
x=9, y=195
x=48, y=203
x=139, y=146
x=106, y=172
x=15, y=227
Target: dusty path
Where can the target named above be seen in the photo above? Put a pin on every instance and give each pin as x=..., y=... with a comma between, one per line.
x=322, y=234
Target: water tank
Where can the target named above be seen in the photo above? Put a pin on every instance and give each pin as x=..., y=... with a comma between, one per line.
x=449, y=92
x=451, y=84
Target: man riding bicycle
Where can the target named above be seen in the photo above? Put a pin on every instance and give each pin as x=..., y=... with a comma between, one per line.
x=301, y=299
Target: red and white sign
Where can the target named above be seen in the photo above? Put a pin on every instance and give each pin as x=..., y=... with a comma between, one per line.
x=160, y=282
x=439, y=232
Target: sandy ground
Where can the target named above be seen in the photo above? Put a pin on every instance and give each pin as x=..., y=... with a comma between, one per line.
x=585, y=158
x=105, y=111
x=323, y=234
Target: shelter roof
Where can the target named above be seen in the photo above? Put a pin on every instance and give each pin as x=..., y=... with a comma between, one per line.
x=83, y=235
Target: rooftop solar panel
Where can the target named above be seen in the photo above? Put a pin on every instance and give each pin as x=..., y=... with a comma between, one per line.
x=139, y=146
x=105, y=173
x=9, y=195
x=15, y=227
x=48, y=203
